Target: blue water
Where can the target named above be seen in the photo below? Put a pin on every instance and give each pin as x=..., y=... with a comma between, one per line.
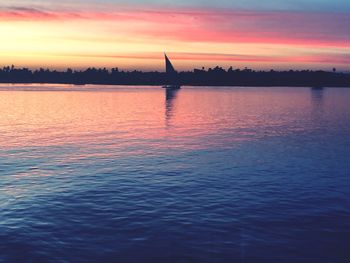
x=132, y=174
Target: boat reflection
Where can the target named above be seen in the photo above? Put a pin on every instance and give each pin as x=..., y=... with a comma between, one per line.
x=317, y=107
x=317, y=97
x=170, y=97
x=317, y=92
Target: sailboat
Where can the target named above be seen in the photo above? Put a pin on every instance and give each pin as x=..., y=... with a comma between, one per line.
x=172, y=79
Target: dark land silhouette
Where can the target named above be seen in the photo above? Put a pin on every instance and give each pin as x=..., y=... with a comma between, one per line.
x=198, y=77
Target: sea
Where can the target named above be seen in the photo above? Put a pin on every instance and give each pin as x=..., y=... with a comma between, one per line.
x=202, y=174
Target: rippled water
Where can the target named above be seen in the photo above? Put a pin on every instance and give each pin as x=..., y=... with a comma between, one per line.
x=132, y=174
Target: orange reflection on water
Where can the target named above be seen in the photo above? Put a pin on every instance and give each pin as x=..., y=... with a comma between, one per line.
x=57, y=117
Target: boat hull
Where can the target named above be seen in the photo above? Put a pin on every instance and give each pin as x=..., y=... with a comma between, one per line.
x=171, y=87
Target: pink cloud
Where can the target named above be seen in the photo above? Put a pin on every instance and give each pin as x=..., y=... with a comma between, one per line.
x=317, y=58
x=320, y=29
x=196, y=25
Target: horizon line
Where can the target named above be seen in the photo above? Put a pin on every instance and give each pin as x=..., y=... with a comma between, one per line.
x=206, y=69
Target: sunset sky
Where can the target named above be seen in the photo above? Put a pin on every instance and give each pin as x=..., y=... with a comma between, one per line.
x=279, y=34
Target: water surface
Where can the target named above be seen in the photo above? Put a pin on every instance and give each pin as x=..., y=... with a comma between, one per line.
x=135, y=174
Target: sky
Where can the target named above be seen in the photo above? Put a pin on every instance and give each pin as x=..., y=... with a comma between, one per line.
x=269, y=34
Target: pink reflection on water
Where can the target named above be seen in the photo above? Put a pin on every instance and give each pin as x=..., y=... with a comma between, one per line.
x=137, y=119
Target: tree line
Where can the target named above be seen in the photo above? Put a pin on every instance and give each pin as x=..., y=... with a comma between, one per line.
x=198, y=77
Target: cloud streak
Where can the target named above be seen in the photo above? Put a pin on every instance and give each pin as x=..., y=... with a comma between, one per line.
x=328, y=58
x=34, y=14
x=201, y=25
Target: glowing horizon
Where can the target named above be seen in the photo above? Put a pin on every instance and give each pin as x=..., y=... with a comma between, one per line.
x=71, y=34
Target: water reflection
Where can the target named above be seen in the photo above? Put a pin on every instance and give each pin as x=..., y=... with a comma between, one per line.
x=91, y=170
x=170, y=97
x=317, y=104
x=317, y=95
x=127, y=118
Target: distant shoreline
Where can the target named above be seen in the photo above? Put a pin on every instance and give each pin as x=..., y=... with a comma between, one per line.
x=211, y=77
x=155, y=85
